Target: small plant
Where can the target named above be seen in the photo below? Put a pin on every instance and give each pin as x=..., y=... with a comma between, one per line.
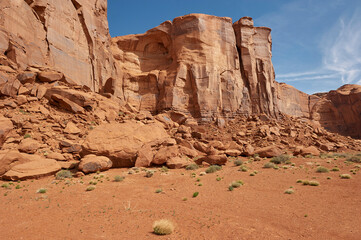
x=159, y=190
x=218, y=179
x=252, y=174
x=280, y=159
x=118, y=178
x=27, y=136
x=299, y=181
x=289, y=191
x=213, y=168
x=163, y=227
x=329, y=178
x=41, y=190
x=309, y=156
x=5, y=185
x=335, y=169
x=185, y=199
x=243, y=169
x=63, y=174
x=149, y=174
x=322, y=170
x=195, y=194
x=314, y=183
x=305, y=182
x=269, y=165
x=236, y=184
x=230, y=188
x=90, y=188
x=192, y=166
x=354, y=159
x=93, y=182
x=345, y=176
x=18, y=186
x=164, y=169
x=238, y=162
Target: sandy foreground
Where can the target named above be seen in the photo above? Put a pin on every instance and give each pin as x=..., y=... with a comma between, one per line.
x=126, y=210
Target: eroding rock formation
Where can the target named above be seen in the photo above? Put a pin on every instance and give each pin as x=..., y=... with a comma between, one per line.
x=70, y=36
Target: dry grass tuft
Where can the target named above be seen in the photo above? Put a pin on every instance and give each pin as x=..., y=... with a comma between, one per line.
x=163, y=227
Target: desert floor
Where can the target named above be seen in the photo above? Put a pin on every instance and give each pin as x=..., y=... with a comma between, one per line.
x=126, y=210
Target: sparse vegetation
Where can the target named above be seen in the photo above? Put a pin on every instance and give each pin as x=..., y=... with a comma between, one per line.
x=345, y=176
x=195, y=194
x=63, y=174
x=269, y=165
x=192, y=166
x=235, y=184
x=27, y=136
x=159, y=190
x=354, y=159
x=149, y=173
x=213, y=168
x=164, y=169
x=238, y=162
x=41, y=190
x=322, y=170
x=289, y=191
x=163, y=227
x=90, y=188
x=280, y=159
x=314, y=183
x=5, y=185
x=118, y=178
x=243, y=169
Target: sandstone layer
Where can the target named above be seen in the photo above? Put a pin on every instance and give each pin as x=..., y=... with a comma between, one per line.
x=70, y=36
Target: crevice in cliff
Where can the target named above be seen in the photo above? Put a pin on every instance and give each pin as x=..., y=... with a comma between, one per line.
x=39, y=13
x=81, y=18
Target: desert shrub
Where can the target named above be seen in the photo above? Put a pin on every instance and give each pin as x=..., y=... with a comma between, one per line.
x=41, y=190
x=314, y=183
x=280, y=159
x=149, y=174
x=218, y=179
x=299, y=181
x=252, y=174
x=335, y=169
x=243, y=169
x=269, y=165
x=192, y=166
x=159, y=190
x=289, y=191
x=354, y=159
x=322, y=170
x=163, y=227
x=118, y=178
x=5, y=185
x=90, y=188
x=238, y=162
x=345, y=176
x=195, y=194
x=305, y=182
x=236, y=184
x=213, y=168
x=63, y=174
x=27, y=136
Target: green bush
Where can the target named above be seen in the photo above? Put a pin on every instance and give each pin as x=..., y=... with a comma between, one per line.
x=289, y=191
x=238, y=162
x=213, y=168
x=195, y=194
x=63, y=174
x=163, y=227
x=280, y=159
x=41, y=190
x=192, y=166
x=90, y=188
x=322, y=170
x=118, y=178
x=314, y=183
x=345, y=176
x=269, y=165
x=354, y=159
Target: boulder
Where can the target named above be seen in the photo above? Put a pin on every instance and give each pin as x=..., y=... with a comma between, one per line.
x=66, y=104
x=164, y=154
x=71, y=128
x=20, y=166
x=56, y=156
x=29, y=145
x=120, y=142
x=27, y=77
x=212, y=159
x=177, y=162
x=270, y=151
x=145, y=156
x=312, y=150
x=232, y=152
x=92, y=163
x=50, y=76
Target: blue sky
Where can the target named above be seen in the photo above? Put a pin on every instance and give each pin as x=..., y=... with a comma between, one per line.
x=316, y=43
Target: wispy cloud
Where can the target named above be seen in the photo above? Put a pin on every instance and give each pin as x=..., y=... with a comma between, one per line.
x=342, y=49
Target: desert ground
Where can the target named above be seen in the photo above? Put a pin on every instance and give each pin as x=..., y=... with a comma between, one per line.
x=259, y=209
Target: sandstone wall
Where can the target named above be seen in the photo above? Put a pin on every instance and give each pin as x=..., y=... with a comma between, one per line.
x=70, y=36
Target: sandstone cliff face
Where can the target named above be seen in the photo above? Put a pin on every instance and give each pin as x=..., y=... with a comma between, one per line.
x=255, y=47
x=189, y=65
x=70, y=36
x=193, y=65
x=340, y=111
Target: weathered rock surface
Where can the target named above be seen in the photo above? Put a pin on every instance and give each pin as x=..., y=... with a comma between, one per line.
x=92, y=163
x=120, y=142
x=5, y=127
x=20, y=166
x=72, y=37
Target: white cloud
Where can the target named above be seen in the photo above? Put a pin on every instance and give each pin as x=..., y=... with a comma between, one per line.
x=342, y=49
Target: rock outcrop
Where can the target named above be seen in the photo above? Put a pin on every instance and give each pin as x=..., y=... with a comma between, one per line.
x=340, y=111
x=69, y=36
